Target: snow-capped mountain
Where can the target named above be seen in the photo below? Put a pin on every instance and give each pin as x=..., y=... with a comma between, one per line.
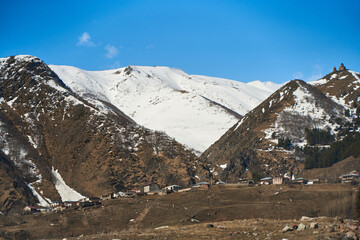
x=195, y=110
x=55, y=145
x=256, y=144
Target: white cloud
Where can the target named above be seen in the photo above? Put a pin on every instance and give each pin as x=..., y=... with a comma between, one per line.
x=85, y=40
x=111, y=51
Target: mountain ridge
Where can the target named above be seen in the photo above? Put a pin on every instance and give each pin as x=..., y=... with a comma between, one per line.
x=169, y=100
x=252, y=146
x=64, y=144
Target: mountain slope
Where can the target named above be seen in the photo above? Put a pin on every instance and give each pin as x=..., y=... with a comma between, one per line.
x=342, y=86
x=195, y=110
x=66, y=147
x=254, y=146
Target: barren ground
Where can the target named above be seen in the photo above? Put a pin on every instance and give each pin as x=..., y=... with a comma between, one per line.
x=237, y=212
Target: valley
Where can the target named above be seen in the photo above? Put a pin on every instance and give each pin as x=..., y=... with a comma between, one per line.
x=233, y=210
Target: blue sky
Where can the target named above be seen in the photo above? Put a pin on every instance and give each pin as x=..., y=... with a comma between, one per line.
x=241, y=40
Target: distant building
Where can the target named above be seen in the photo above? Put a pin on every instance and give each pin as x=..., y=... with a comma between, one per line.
x=202, y=185
x=246, y=181
x=107, y=197
x=352, y=176
x=152, y=187
x=266, y=181
x=281, y=180
x=57, y=204
x=93, y=199
x=135, y=190
x=301, y=180
x=342, y=67
x=173, y=188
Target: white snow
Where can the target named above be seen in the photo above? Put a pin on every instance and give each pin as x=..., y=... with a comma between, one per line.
x=267, y=86
x=355, y=74
x=223, y=166
x=170, y=100
x=31, y=141
x=305, y=104
x=42, y=201
x=66, y=192
x=318, y=82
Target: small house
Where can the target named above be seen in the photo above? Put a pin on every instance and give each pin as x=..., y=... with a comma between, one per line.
x=173, y=188
x=90, y=199
x=281, y=180
x=119, y=194
x=106, y=197
x=202, y=185
x=266, y=181
x=349, y=178
x=57, y=204
x=135, y=190
x=151, y=187
x=301, y=180
x=246, y=182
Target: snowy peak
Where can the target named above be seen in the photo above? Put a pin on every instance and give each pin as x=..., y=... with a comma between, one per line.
x=195, y=110
x=66, y=147
x=342, y=86
x=22, y=72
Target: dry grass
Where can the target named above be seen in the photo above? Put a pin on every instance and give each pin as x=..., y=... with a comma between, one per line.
x=342, y=205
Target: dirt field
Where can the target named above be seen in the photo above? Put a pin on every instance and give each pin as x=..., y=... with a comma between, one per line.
x=233, y=210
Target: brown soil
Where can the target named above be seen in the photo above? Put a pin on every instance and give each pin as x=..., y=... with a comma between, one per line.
x=222, y=205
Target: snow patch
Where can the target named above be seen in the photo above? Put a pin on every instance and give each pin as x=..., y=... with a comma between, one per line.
x=42, y=201
x=223, y=166
x=66, y=192
x=318, y=82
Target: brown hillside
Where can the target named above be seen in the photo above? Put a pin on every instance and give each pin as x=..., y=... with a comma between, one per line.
x=95, y=147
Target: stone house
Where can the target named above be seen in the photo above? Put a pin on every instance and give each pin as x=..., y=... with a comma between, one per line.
x=281, y=180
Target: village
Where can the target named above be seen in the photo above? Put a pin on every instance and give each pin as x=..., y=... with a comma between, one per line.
x=154, y=189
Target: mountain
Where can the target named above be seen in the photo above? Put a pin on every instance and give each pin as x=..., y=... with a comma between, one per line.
x=264, y=142
x=195, y=110
x=56, y=145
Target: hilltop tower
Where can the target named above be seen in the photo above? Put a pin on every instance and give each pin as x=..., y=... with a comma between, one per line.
x=342, y=67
